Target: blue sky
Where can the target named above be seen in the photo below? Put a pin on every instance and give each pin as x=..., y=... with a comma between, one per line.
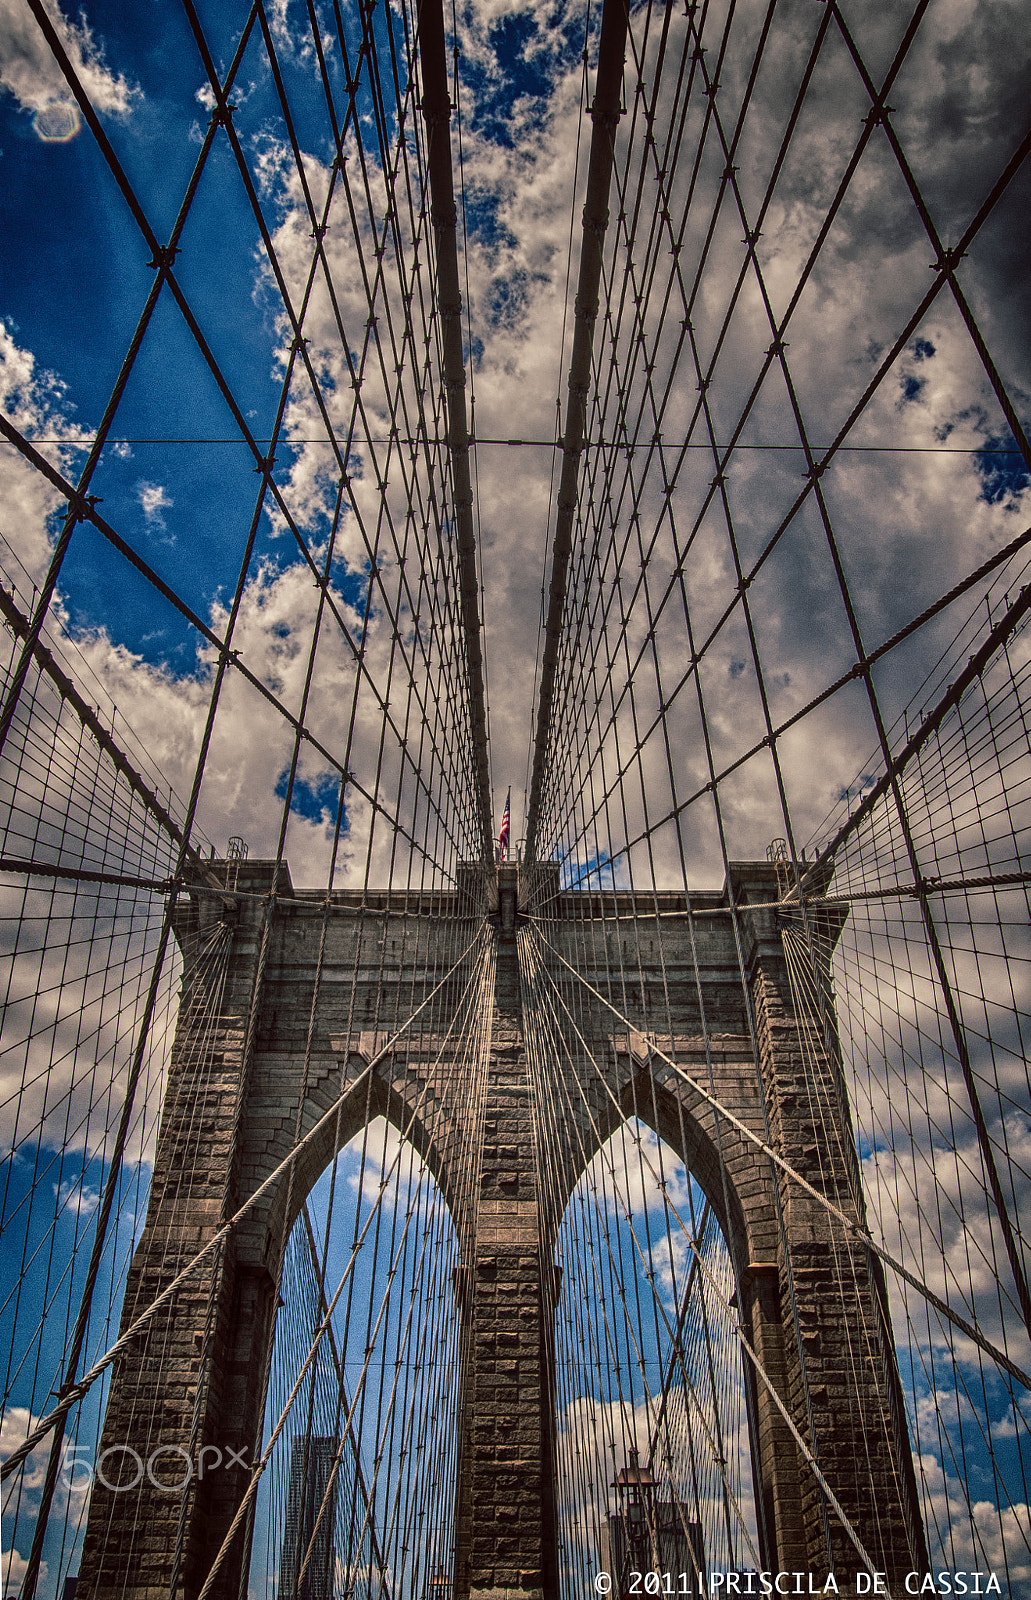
x=74, y=278
x=75, y=281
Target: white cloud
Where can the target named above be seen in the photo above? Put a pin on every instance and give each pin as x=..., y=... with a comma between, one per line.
x=36, y=403
x=12, y=1571
x=76, y=1198
x=22, y=1490
x=154, y=499
x=976, y=1537
x=908, y=525
x=29, y=71
x=387, y=1169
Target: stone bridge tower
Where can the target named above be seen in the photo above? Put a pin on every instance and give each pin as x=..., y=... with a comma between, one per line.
x=267, y=1067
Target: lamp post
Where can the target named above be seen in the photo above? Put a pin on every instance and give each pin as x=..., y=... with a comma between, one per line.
x=635, y=1497
x=439, y=1586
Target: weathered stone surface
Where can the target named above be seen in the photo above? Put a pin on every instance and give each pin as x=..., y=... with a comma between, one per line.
x=810, y=1303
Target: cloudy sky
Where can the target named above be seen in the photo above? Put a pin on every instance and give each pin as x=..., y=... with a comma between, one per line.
x=772, y=288
x=905, y=525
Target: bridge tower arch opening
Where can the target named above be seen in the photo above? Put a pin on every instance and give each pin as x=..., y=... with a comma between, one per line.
x=357, y=1022
x=716, y=1031
x=498, y=1046
x=654, y=1458
x=359, y=1491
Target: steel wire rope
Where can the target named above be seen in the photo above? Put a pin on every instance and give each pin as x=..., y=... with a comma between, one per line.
x=956, y=592
x=74, y=1345
x=550, y=1141
x=558, y=442
x=782, y=324
x=654, y=1110
x=267, y=480
x=221, y=648
x=805, y=1449
x=597, y=1239
x=666, y=1421
x=471, y=364
x=9, y=604
x=244, y=1507
x=826, y=523
x=611, y=1171
x=958, y=1376
x=791, y=1291
x=400, y=1367
x=535, y=967
x=835, y=1154
x=256, y=994
x=18, y=1455
x=27, y=1200
x=638, y=760
x=699, y=988
x=971, y=1332
x=674, y=255
x=161, y=259
x=374, y=1216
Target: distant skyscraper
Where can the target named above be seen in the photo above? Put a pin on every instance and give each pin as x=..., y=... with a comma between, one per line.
x=311, y=1463
x=667, y=1538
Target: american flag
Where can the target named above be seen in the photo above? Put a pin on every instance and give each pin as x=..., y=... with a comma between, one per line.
x=503, y=835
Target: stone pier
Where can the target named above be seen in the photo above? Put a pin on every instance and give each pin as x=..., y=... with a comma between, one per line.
x=267, y=1063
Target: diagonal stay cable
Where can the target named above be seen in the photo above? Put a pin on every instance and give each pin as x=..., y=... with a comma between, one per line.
x=81, y=506
x=555, y=1045
x=944, y=275
x=161, y=260
x=849, y=1223
x=928, y=726
x=243, y=1510
x=21, y=626
x=89, y=513
x=14, y=1460
x=736, y=1329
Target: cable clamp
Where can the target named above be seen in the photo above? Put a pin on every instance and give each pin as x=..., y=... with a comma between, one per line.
x=163, y=259
x=947, y=260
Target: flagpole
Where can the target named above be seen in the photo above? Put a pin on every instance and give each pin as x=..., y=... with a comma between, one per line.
x=505, y=824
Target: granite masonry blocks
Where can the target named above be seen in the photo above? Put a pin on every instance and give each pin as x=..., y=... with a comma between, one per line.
x=506, y=1539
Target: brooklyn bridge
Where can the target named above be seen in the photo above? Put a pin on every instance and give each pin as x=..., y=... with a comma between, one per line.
x=514, y=776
